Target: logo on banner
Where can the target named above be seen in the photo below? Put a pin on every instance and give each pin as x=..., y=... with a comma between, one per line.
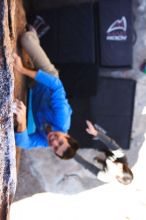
x=117, y=30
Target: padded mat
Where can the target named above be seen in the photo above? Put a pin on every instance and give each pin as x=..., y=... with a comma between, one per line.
x=115, y=33
x=77, y=34
x=112, y=108
x=80, y=80
x=71, y=35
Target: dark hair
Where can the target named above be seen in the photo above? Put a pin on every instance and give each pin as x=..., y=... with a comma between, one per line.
x=122, y=160
x=127, y=174
x=71, y=150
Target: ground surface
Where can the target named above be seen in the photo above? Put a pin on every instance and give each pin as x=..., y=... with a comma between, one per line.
x=66, y=184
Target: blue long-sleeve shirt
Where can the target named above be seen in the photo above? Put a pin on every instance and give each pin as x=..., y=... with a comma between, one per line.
x=49, y=107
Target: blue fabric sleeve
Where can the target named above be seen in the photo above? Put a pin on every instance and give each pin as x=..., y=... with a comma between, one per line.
x=28, y=142
x=48, y=80
x=58, y=102
x=62, y=119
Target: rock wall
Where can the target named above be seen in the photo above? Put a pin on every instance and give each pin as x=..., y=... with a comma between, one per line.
x=7, y=144
x=10, y=28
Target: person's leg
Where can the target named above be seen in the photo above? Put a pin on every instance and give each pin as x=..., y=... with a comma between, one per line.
x=31, y=44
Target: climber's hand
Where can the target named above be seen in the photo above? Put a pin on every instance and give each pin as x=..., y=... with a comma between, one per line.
x=18, y=65
x=91, y=129
x=20, y=113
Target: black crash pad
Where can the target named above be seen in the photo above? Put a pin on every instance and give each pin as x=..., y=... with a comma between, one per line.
x=112, y=108
x=71, y=35
x=79, y=80
x=116, y=28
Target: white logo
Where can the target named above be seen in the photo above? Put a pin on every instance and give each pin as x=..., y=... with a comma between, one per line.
x=117, y=30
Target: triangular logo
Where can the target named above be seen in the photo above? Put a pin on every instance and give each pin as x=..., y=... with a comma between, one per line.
x=117, y=30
